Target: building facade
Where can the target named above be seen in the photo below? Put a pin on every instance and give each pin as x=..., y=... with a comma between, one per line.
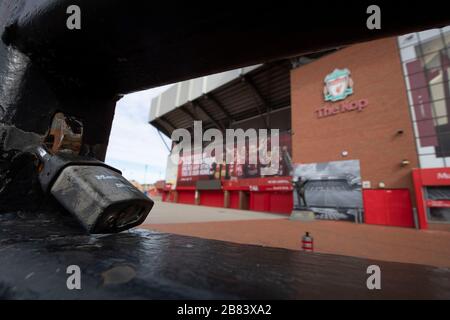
x=368, y=127
x=425, y=60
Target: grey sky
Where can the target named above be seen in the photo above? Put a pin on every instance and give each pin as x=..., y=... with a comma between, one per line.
x=134, y=145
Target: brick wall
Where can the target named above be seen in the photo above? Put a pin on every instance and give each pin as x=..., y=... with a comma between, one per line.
x=370, y=135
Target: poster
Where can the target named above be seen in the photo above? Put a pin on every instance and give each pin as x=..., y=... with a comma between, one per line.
x=332, y=190
x=212, y=169
x=171, y=173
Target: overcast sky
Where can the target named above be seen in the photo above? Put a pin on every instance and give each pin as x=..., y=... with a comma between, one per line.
x=135, y=147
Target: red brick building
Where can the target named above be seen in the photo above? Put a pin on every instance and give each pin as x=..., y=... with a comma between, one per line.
x=370, y=135
x=383, y=105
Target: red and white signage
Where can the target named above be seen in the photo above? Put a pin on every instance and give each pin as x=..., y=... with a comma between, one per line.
x=434, y=176
x=332, y=109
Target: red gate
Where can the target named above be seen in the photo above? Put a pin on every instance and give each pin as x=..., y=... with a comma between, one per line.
x=391, y=207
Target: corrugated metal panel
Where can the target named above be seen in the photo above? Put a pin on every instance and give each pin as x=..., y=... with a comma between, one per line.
x=243, y=93
x=153, y=109
x=228, y=90
x=195, y=89
x=215, y=81
x=189, y=90
x=167, y=100
x=183, y=93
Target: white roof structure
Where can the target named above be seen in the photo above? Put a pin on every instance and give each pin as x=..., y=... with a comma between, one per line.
x=189, y=90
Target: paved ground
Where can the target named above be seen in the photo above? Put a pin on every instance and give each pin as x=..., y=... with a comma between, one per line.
x=164, y=212
x=36, y=248
x=343, y=238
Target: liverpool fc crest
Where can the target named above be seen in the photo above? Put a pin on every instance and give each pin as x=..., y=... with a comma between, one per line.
x=338, y=85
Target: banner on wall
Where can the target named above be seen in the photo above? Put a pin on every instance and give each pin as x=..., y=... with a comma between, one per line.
x=211, y=169
x=332, y=190
x=171, y=173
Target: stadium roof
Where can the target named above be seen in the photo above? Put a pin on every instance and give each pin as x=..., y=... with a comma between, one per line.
x=225, y=99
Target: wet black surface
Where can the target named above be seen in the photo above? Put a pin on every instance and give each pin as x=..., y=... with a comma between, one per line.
x=46, y=68
x=36, y=249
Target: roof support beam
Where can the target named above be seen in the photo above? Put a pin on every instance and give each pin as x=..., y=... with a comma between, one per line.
x=159, y=127
x=219, y=105
x=214, y=121
x=166, y=124
x=194, y=117
x=261, y=101
x=185, y=110
x=268, y=114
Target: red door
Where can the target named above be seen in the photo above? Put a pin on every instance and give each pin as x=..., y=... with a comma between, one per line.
x=186, y=196
x=234, y=199
x=388, y=207
x=260, y=201
x=212, y=198
x=281, y=202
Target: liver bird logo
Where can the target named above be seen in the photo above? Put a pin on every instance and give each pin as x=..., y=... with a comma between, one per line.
x=338, y=85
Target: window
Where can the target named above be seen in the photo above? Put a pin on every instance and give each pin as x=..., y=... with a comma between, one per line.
x=438, y=214
x=426, y=62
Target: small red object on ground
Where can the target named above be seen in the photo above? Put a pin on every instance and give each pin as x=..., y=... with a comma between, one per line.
x=307, y=243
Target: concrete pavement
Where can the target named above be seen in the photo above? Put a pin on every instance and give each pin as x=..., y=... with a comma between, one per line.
x=343, y=238
x=167, y=213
